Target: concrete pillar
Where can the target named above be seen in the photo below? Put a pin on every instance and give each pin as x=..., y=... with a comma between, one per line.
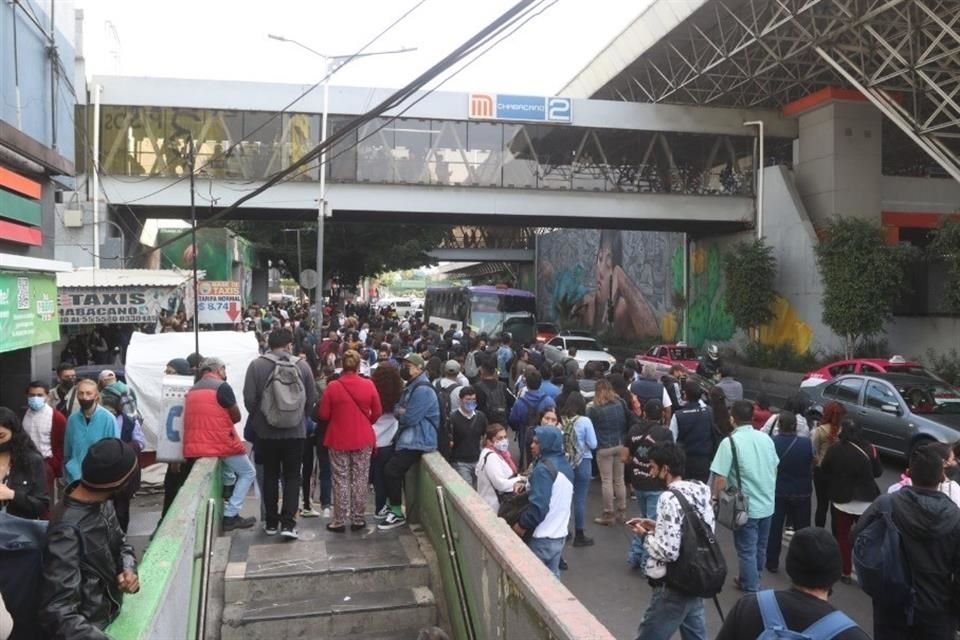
x=838, y=168
x=259, y=288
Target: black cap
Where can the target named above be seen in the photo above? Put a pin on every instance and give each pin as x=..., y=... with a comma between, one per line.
x=109, y=463
x=813, y=560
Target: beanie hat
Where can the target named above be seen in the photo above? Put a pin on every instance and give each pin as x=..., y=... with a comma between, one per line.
x=180, y=365
x=813, y=560
x=109, y=463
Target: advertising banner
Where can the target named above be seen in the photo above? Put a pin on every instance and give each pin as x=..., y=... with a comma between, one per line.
x=170, y=433
x=136, y=305
x=28, y=310
x=219, y=302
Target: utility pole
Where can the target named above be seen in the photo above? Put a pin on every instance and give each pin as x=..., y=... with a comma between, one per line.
x=191, y=157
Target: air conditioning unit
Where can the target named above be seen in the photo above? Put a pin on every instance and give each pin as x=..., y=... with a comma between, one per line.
x=72, y=212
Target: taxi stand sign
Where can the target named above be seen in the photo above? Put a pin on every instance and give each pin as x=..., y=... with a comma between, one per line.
x=498, y=106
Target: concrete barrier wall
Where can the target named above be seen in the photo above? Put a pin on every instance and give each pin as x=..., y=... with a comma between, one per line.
x=168, y=602
x=509, y=592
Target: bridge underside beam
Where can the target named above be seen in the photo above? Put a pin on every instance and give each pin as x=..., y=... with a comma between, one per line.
x=483, y=255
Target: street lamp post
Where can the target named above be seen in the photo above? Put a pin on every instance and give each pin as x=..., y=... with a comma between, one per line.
x=333, y=64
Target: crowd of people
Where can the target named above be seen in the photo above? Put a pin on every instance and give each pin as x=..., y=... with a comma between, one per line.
x=356, y=405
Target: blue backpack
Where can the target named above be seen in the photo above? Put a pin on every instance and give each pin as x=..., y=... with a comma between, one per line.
x=775, y=627
x=880, y=563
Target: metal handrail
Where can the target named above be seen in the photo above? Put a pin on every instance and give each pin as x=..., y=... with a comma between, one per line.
x=455, y=564
x=204, y=558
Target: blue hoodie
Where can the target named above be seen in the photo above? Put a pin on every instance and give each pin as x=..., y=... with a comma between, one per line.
x=419, y=423
x=536, y=401
x=548, y=513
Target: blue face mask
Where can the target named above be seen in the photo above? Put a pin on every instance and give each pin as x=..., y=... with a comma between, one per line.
x=470, y=406
x=36, y=403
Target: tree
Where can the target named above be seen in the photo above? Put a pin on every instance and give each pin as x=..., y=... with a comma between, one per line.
x=946, y=246
x=750, y=271
x=863, y=279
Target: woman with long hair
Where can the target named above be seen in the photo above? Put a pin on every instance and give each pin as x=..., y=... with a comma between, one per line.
x=849, y=469
x=620, y=387
x=722, y=427
x=389, y=385
x=822, y=437
x=497, y=473
x=573, y=416
x=609, y=415
x=350, y=405
x=23, y=482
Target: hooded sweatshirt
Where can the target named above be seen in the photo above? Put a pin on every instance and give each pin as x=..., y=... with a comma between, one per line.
x=533, y=400
x=929, y=525
x=549, y=499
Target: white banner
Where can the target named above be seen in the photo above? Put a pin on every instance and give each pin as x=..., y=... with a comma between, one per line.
x=219, y=302
x=170, y=435
x=148, y=355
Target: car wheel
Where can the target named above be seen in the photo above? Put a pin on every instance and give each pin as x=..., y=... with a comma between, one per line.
x=916, y=444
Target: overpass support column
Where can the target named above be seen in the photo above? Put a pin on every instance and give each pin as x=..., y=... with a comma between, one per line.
x=260, y=277
x=838, y=159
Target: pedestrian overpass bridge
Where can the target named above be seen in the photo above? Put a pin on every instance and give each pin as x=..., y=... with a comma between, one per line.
x=448, y=158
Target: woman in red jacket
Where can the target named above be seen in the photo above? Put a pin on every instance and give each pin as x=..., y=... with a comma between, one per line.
x=350, y=406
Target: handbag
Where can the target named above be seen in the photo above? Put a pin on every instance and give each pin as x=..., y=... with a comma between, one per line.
x=732, y=504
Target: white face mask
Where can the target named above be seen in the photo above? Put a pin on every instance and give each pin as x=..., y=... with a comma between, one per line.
x=502, y=445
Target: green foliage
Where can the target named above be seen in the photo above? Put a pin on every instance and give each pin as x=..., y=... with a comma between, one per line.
x=750, y=271
x=781, y=357
x=863, y=279
x=945, y=365
x=946, y=246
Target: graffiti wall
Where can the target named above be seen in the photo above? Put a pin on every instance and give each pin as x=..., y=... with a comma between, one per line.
x=708, y=319
x=617, y=284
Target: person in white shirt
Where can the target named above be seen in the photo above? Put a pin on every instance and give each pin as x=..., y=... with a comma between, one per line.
x=496, y=471
x=46, y=427
x=389, y=385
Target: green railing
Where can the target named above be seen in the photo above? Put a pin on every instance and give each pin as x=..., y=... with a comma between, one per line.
x=171, y=572
x=493, y=585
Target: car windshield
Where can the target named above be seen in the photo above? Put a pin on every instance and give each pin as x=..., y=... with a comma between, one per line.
x=583, y=344
x=682, y=353
x=931, y=398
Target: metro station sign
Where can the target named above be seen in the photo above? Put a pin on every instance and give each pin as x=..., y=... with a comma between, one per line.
x=494, y=106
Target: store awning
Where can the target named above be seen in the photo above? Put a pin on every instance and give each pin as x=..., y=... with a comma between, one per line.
x=123, y=296
x=105, y=278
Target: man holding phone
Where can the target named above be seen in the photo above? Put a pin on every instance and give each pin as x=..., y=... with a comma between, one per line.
x=670, y=610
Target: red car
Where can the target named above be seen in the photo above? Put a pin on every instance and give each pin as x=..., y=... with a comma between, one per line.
x=896, y=364
x=546, y=331
x=664, y=356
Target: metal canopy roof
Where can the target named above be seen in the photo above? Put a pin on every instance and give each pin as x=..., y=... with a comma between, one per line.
x=101, y=278
x=903, y=55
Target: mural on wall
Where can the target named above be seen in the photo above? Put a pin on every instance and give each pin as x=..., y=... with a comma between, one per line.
x=613, y=283
x=707, y=320
x=787, y=328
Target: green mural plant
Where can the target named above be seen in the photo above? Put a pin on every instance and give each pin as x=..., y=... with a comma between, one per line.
x=863, y=279
x=946, y=246
x=707, y=319
x=750, y=270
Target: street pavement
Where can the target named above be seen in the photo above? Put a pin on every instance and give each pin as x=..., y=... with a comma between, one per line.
x=601, y=578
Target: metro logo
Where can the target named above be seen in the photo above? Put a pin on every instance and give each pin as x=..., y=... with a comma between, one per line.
x=481, y=105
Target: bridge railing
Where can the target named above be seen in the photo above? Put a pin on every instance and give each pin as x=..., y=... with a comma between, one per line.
x=168, y=604
x=494, y=586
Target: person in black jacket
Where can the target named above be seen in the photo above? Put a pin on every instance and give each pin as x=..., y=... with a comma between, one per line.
x=79, y=599
x=849, y=468
x=23, y=481
x=467, y=427
x=794, y=485
x=929, y=526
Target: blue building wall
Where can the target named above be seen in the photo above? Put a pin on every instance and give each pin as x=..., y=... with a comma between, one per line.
x=34, y=62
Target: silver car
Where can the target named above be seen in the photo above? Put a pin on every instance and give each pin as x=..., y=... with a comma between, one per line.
x=897, y=412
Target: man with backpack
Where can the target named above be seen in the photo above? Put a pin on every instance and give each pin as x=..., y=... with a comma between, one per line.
x=494, y=399
x=907, y=555
x=526, y=411
x=278, y=392
x=802, y=612
x=680, y=574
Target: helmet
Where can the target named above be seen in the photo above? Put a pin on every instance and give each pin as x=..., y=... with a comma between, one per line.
x=713, y=351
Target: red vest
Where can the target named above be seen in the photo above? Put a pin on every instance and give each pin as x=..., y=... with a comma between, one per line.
x=208, y=431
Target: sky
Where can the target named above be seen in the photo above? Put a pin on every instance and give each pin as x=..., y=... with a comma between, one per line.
x=227, y=40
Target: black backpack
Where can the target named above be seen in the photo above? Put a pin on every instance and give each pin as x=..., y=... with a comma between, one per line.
x=512, y=505
x=443, y=428
x=493, y=401
x=700, y=569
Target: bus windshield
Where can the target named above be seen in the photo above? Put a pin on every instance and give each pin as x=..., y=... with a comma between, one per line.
x=485, y=311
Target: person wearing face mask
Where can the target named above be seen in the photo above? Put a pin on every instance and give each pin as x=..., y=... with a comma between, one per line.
x=23, y=482
x=89, y=425
x=496, y=471
x=85, y=546
x=467, y=426
x=46, y=427
x=61, y=396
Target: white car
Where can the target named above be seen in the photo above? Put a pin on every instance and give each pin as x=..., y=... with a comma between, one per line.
x=588, y=350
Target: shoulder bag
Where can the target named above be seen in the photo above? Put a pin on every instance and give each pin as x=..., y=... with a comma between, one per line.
x=733, y=505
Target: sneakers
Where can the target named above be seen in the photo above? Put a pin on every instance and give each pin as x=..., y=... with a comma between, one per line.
x=382, y=514
x=289, y=533
x=309, y=513
x=270, y=529
x=327, y=513
x=392, y=521
x=237, y=522
x=581, y=540
x=606, y=519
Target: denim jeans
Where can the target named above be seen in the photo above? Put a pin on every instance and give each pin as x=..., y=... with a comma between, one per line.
x=242, y=468
x=548, y=550
x=466, y=471
x=648, y=509
x=788, y=509
x=751, y=543
x=581, y=485
x=670, y=611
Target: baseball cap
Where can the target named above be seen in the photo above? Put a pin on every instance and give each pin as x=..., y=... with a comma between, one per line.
x=415, y=360
x=451, y=366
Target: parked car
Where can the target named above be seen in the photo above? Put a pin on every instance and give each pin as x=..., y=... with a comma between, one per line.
x=895, y=364
x=546, y=331
x=588, y=350
x=664, y=356
x=898, y=412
